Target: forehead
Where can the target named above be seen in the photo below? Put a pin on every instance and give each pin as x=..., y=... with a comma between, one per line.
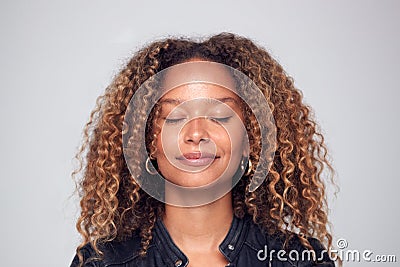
x=198, y=79
x=202, y=91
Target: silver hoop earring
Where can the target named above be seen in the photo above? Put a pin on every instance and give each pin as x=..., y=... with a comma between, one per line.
x=249, y=169
x=149, y=169
x=250, y=166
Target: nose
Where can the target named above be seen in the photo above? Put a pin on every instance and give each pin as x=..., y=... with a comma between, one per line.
x=195, y=131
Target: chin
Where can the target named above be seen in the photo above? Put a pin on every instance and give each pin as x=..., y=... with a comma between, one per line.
x=189, y=179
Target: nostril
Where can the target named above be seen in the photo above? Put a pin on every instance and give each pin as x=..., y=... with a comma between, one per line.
x=198, y=140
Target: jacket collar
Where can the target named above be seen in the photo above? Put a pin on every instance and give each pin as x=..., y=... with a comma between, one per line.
x=230, y=246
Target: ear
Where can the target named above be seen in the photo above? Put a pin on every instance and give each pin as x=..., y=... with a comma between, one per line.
x=246, y=147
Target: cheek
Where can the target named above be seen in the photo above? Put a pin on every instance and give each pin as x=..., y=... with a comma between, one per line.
x=235, y=138
x=167, y=142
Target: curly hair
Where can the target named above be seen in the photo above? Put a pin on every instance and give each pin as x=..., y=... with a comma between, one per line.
x=291, y=199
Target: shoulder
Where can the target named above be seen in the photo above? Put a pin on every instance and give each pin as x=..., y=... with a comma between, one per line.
x=113, y=252
x=275, y=248
x=90, y=257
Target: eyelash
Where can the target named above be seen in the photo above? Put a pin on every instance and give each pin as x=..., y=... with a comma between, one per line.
x=172, y=121
x=219, y=120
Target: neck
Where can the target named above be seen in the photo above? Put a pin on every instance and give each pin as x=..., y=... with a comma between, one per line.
x=200, y=228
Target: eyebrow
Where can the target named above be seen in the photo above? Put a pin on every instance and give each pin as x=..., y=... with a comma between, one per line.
x=210, y=100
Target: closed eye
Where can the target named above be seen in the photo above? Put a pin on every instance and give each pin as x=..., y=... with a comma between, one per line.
x=221, y=120
x=173, y=121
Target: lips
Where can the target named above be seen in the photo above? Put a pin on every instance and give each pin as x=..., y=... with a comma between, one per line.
x=197, y=159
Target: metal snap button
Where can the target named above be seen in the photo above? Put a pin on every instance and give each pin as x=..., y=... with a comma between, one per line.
x=231, y=247
x=178, y=263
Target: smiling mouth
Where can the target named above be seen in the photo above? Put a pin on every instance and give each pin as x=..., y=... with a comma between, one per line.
x=197, y=159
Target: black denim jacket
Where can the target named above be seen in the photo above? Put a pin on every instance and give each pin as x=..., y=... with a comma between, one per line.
x=244, y=246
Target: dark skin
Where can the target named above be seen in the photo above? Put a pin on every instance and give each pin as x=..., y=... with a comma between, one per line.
x=200, y=237
x=199, y=230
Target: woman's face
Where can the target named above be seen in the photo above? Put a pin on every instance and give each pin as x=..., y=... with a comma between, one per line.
x=202, y=136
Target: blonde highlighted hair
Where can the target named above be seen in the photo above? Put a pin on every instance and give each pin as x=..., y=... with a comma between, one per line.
x=292, y=197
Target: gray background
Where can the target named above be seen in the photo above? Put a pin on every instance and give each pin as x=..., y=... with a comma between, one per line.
x=57, y=57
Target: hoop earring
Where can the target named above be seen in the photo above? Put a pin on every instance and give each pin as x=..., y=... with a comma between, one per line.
x=249, y=169
x=148, y=168
x=250, y=166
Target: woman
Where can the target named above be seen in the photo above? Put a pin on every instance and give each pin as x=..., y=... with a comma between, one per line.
x=203, y=154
